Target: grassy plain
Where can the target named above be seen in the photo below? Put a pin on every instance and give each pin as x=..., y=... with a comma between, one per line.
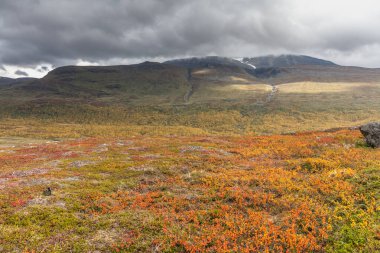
x=234, y=108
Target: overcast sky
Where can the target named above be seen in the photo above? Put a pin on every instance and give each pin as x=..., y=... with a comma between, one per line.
x=38, y=35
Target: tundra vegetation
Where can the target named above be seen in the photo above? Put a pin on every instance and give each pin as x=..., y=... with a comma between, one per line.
x=183, y=189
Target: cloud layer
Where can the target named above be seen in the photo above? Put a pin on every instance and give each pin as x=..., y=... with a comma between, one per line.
x=35, y=32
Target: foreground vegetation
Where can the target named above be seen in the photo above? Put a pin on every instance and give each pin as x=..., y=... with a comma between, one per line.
x=185, y=189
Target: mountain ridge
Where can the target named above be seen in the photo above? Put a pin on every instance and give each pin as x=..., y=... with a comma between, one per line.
x=286, y=60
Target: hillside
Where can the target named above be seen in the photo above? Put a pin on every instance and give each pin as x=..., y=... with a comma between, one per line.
x=143, y=83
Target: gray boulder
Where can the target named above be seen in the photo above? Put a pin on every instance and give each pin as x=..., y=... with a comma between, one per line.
x=371, y=133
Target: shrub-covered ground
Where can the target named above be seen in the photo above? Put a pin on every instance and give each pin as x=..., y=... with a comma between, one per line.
x=308, y=192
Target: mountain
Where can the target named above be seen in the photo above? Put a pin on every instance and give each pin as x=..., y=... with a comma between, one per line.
x=281, y=61
x=194, y=80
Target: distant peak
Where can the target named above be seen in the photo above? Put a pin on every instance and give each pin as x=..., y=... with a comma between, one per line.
x=150, y=63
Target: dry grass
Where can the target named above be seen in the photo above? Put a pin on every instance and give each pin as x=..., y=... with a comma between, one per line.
x=231, y=92
x=313, y=87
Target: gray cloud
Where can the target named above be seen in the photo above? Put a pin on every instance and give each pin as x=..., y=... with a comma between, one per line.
x=107, y=31
x=2, y=68
x=42, y=69
x=21, y=73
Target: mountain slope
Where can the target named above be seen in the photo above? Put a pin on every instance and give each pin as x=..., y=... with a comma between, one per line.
x=325, y=74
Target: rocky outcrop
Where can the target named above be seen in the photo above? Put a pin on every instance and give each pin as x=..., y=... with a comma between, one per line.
x=371, y=133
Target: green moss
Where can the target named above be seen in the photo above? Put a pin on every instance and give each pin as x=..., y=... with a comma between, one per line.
x=356, y=231
x=44, y=227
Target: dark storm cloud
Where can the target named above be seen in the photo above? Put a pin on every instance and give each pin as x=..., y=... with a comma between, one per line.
x=61, y=32
x=21, y=73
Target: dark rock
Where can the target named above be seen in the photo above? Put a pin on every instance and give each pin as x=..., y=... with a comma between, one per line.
x=371, y=133
x=47, y=192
